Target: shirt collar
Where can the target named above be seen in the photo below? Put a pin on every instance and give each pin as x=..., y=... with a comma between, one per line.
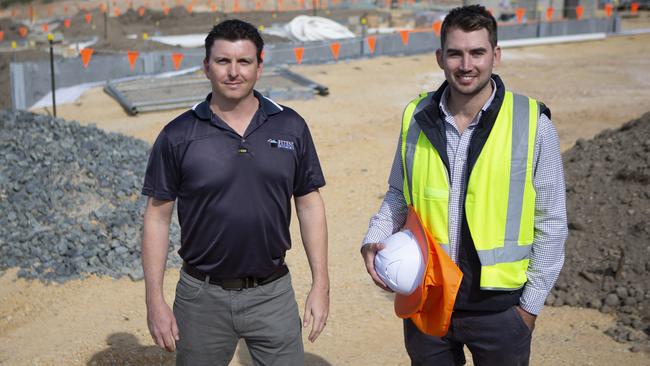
x=445, y=110
x=268, y=106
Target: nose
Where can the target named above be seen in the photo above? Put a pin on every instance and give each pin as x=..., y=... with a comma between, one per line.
x=233, y=70
x=466, y=63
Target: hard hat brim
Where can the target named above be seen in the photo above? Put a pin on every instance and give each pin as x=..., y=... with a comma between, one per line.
x=407, y=305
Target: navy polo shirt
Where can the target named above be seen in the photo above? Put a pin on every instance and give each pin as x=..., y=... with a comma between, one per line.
x=234, y=193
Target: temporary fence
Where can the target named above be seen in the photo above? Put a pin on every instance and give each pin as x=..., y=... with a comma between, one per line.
x=31, y=12
x=29, y=83
x=528, y=9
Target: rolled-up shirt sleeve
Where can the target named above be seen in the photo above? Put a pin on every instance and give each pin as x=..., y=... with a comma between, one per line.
x=393, y=210
x=547, y=252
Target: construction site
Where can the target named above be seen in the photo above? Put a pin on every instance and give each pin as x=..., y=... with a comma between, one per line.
x=87, y=86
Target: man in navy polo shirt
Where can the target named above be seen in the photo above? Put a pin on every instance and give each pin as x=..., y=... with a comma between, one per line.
x=232, y=163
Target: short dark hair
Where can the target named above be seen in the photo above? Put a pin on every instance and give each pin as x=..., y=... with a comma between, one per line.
x=469, y=18
x=234, y=30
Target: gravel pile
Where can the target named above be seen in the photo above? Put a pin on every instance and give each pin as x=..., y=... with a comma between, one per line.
x=70, y=201
x=608, y=250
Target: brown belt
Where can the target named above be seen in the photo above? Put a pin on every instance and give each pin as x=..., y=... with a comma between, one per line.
x=236, y=283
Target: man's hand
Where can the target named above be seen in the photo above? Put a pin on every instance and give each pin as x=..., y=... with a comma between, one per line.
x=368, y=252
x=162, y=326
x=528, y=318
x=316, y=309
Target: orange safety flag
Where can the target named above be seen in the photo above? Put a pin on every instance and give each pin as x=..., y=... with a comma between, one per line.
x=430, y=306
x=2, y=36
x=437, y=26
x=177, y=58
x=634, y=8
x=66, y=23
x=189, y=8
x=372, y=41
x=549, y=13
x=608, y=9
x=235, y=7
x=117, y=12
x=166, y=10
x=86, y=55
x=141, y=11
x=335, y=47
x=213, y=7
x=301, y=4
x=133, y=56
x=88, y=18
x=46, y=27
x=405, y=37
x=580, y=10
x=103, y=7
x=279, y=4
x=520, y=12
x=298, y=52
x=258, y=5
x=23, y=32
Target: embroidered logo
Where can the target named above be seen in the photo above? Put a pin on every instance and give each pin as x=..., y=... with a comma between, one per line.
x=281, y=144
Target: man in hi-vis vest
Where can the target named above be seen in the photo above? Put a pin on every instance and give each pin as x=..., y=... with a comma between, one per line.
x=481, y=168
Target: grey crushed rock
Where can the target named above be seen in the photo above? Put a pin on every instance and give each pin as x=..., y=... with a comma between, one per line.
x=70, y=200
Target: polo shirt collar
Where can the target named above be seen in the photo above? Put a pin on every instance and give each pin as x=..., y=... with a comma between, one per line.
x=267, y=106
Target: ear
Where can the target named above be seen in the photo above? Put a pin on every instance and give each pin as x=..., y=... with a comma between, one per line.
x=439, y=58
x=497, y=56
x=206, y=65
x=260, y=67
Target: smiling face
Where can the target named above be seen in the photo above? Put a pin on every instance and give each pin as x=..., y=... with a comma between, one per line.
x=233, y=69
x=468, y=59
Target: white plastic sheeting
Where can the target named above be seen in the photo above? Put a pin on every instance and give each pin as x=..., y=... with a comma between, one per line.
x=304, y=28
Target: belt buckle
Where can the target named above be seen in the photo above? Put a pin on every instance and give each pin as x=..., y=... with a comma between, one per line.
x=238, y=284
x=232, y=284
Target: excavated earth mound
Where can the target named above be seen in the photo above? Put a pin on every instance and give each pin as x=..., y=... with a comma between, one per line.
x=608, y=250
x=70, y=201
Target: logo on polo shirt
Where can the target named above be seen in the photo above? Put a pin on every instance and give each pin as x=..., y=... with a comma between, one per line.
x=281, y=144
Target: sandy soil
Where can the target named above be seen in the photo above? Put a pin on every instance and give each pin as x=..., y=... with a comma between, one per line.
x=101, y=321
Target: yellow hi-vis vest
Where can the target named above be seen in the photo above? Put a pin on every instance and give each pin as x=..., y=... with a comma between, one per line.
x=500, y=197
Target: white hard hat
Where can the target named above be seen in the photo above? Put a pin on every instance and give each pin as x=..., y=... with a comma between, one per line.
x=400, y=264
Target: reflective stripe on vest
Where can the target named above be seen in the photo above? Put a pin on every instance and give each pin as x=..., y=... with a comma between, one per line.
x=500, y=199
x=434, y=215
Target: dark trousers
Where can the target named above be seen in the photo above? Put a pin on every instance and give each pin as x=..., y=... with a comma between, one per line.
x=494, y=339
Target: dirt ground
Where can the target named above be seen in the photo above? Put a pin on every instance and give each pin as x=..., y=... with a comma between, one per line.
x=101, y=321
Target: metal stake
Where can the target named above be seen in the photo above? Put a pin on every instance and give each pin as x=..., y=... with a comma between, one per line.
x=50, y=38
